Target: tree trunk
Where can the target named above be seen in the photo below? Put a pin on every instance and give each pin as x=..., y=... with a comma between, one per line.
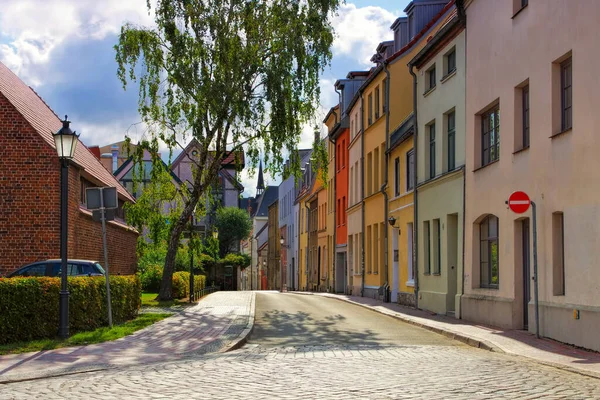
x=166, y=285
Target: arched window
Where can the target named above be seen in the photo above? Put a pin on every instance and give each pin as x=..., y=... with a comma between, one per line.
x=488, y=252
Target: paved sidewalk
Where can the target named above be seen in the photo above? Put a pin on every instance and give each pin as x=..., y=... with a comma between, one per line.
x=219, y=322
x=514, y=342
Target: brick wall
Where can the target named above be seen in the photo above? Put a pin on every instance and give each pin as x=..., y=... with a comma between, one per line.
x=29, y=193
x=30, y=205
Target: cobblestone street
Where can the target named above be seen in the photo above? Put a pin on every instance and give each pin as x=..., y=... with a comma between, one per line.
x=424, y=372
x=296, y=354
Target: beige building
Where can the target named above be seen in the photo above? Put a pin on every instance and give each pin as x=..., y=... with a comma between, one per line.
x=440, y=96
x=533, y=82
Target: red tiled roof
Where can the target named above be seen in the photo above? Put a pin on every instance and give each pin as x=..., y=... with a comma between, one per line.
x=37, y=113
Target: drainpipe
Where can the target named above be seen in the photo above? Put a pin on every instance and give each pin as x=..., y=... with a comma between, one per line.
x=415, y=197
x=460, y=7
x=362, y=192
x=385, y=182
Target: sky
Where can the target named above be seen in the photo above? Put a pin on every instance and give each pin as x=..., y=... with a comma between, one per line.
x=64, y=50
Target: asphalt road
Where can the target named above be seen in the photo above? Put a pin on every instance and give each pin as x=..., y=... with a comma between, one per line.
x=304, y=320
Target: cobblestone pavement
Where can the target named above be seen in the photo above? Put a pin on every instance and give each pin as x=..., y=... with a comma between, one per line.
x=212, y=325
x=399, y=361
x=405, y=372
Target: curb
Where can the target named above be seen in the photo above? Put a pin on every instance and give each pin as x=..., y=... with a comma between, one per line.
x=243, y=337
x=471, y=341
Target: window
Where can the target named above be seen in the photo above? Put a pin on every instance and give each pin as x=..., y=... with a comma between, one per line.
x=430, y=79
x=410, y=168
x=369, y=247
x=490, y=136
x=397, y=176
x=566, y=94
x=376, y=168
x=451, y=121
x=370, y=102
x=34, y=270
x=375, y=249
x=84, y=184
x=524, y=3
x=525, y=100
x=558, y=254
x=377, y=102
x=431, y=129
x=427, y=244
x=437, y=251
x=369, y=173
x=488, y=252
x=343, y=153
x=450, y=62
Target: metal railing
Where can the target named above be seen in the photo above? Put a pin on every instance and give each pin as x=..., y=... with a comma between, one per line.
x=198, y=294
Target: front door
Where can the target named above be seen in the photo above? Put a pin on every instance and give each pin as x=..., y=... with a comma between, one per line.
x=526, y=272
x=452, y=266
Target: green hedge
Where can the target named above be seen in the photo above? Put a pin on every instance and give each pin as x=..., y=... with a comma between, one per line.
x=29, y=307
x=181, y=284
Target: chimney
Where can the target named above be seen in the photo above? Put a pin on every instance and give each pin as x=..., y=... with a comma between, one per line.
x=114, y=149
x=95, y=151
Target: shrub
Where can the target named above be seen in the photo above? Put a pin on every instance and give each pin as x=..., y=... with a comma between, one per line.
x=151, y=277
x=30, y=306
x=181, y=284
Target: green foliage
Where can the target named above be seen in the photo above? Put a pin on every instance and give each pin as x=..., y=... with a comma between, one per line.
x=29, y=306
x=151, y=277
x=236, y=260
x=242, y=74
x=181, y=284
x=233, y=225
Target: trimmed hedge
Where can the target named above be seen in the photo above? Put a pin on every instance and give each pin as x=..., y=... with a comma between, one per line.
x=29, y=307
x=181, y=284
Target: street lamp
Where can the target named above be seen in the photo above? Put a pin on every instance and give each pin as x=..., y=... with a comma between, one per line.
x=66, y=142
x=281, y=241
x=191, y=251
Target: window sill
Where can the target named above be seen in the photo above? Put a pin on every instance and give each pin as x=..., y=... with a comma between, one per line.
x=521, y=150
x=486, y=165
x=561, y=132
x=518, y=12
x=427, y=273
x=410, y=283
x=437, y=274
x=448, y=75
x=490, y=287
x=428, y=91
x=375, y=273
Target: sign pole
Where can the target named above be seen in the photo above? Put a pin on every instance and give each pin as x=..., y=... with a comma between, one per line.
x=535, y=271
x=103, y=219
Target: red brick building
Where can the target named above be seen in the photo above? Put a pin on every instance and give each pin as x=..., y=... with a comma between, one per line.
x=30, y=189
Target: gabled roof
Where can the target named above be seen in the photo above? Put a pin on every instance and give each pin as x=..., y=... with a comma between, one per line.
x=232, y=179
x=404, y=131
x=229, y=159
x=128, y=164
x=41, y=118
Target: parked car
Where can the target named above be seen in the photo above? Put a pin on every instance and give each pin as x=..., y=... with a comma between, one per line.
x=52, y=268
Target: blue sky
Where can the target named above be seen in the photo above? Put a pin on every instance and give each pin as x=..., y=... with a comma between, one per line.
x=64, y=51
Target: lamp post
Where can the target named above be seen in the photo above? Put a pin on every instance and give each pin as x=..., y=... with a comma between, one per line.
x=283, y=246
x=66, y=142
x=264, y=268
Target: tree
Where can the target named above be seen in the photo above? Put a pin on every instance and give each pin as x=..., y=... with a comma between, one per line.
x=233, y=225
x=234, y=74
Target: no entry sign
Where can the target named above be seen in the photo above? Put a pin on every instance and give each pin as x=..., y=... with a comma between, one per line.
x=519, y=202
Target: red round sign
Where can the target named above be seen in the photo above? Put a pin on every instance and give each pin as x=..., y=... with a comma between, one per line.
x=519, y=202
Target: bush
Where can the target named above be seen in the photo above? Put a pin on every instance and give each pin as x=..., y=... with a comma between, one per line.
x=151, y=277
x=30, y=306
x=181, y=284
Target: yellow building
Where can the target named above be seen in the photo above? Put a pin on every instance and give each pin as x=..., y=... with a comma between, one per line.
x=412, y=33
x=305, y=191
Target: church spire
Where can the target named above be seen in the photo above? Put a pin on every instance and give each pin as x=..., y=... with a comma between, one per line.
x=260, y=185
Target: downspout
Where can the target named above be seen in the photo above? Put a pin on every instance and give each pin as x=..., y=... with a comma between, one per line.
x=362, y=193
x=462, y=15
x=385, y=182
x=415, y=197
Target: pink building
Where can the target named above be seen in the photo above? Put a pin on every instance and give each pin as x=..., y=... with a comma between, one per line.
x=532, y=125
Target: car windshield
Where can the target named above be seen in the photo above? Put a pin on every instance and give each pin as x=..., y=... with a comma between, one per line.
x=100, y=269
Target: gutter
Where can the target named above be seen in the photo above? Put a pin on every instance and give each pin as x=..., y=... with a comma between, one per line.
x=385, y=182
x=333, y=245
x=415, y=193
x=362, y=190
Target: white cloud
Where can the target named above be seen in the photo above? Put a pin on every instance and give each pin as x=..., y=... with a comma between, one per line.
x=35, y=28
x=360, y=30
